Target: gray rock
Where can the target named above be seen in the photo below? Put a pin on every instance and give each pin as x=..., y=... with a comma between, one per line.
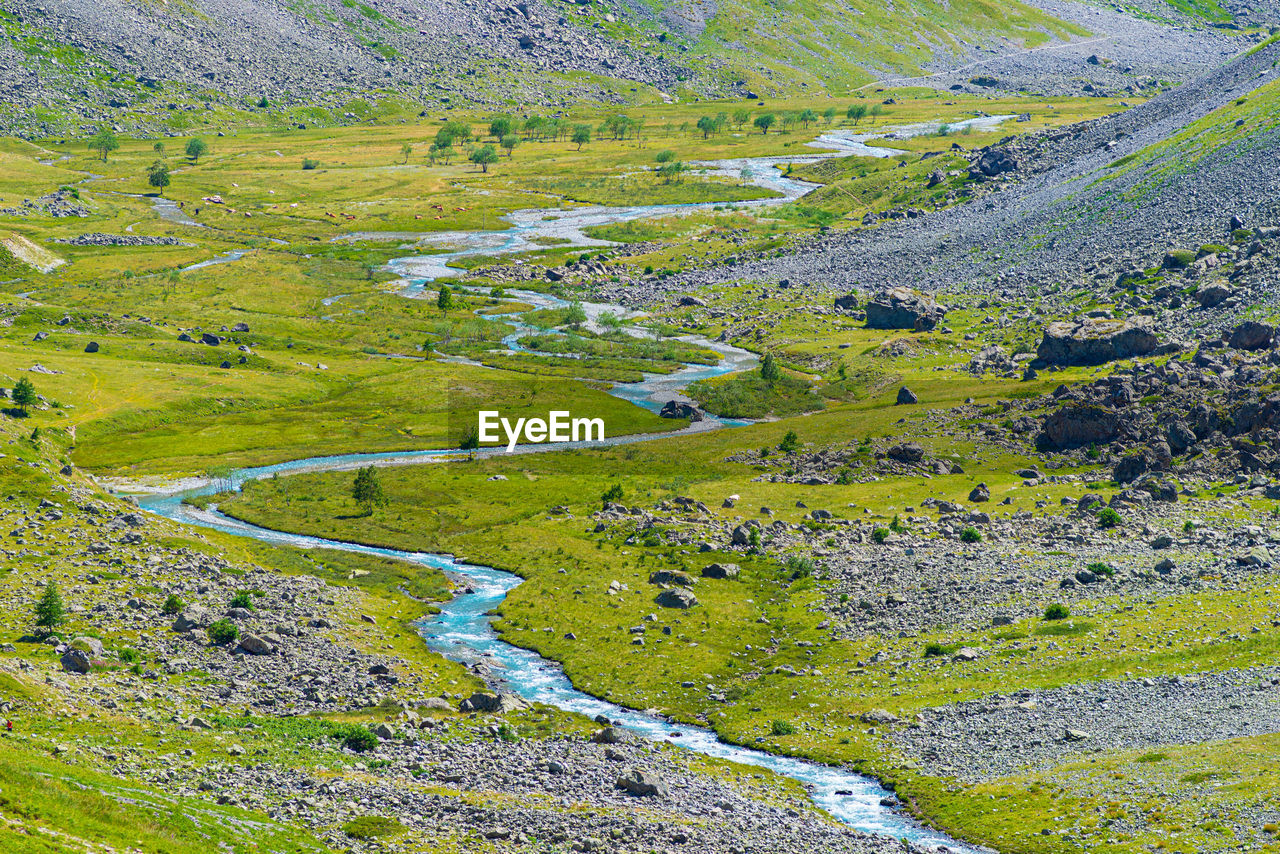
x=642, y=783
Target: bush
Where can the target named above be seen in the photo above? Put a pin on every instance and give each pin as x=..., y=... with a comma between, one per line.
x=970, y=535
x=934, y=650
x=1210, y=249
x=790, y=443
x=879, y=535
x=1057, y=611
x=1108, y=518
x=223, y=632
x=173, y=605
x=897, y=525
x=508, y=733
x=1103, y=569
x=242, y=599
x=373, y=827
x=309, y=164
x=782, y=728
x=130, y=656
x=1179, y=259
x=801, y=567
x=358, y=738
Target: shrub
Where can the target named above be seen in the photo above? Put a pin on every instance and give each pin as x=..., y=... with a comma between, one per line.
x=1057, y=611
x=242, y=599
x=1188, y=526
x=173, y=605
x=309, y=164
x=1210, y=249
x=130, y=656
x=1103, y=569
x=801, y=567
x=970, y=535
x=790, y=443
x=897, y=525
x=508, y=733
x=782, y=728
x=358, y=738
x=1178, y=259
x=1108, y=518
x=223, y=632
x=373, y=827
x=934, y=650
x=879, y=535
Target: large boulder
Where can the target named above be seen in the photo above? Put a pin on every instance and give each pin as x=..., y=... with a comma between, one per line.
x=903, y=308
x=1212, y=295
x=255, y=645
x=671, y=577
x=1095, y=341
x=637, y=781
x=1252, y=335
x=679, y=409
x=496, y=703
x=906, y=452
x=848, y=302
x=1078, y=425
x=996, y=161
x=192, y=619
x=676, y=597
x=720, y=570
x=75, y=661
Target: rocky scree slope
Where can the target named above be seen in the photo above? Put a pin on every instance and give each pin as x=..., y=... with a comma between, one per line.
x=76, y=54
x=1113, y=194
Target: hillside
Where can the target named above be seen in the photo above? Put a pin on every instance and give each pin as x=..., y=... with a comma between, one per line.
x=169, y=67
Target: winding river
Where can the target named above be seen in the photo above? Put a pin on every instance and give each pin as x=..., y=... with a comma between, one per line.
x=463, y=629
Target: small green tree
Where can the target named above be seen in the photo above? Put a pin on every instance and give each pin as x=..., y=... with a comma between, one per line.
x=484, y=157
x=876, y=111
x=766, y=121
x=49, y=610
x=790, y=443
x=740, y=118
x=158, y=176
x=24, y=395
x=263, y=103
x=406, y=151
x=1057, y=611
x=223, y=632
x=104, y=142
x=444, y=300
x=829, y=115
x=470, y=442
x=158, y=148
x=971, y=535
x=367, y=490
x=196, y=149
x=1108, y=518
x=501, y=127
x=857, y=112
x=708, y=126
x=613, y=493
x=769, y=370
x=575, y=315
x=581, y=135
x=807, y=117
x=509, y=142
x=173, y=605
x=242, y=599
